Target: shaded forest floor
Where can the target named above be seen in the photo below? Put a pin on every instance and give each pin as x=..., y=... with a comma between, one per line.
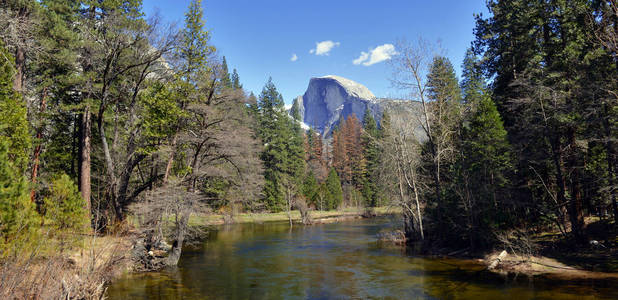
x=601, y=257
x=561, y=256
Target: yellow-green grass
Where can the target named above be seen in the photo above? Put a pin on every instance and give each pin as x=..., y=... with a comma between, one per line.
x=218, y=219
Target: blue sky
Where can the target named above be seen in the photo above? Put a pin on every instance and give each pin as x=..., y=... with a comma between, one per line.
x=259, y=38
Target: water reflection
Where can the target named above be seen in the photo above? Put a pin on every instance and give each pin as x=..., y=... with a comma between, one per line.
x=341, y=260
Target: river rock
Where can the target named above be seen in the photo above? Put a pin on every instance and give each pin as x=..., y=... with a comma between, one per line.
x=496, y=261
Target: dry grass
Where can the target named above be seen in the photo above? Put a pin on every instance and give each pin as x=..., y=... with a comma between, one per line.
x=80, y=273
x=317, y=216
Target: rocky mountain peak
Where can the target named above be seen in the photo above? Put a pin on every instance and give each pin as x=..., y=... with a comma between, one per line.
x=353, y=88
x=330, y=99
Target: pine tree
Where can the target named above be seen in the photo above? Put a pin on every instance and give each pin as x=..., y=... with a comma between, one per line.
x=194, y=46
x=56, y=77
x=315, y=161
x=295, y=111
x=310, y=186
x=193, y=53
x=296, y=150
x=370, y=137
x=335, y=193
x=270, y=103
x=339, y=156
x=64, y=206
x=348, y=158
x=283, y=154
x=14, y=123
x=445, y=96
x=545, y=71
x=472, y=84
x=17, y=212
x=480, y=172
x=235, y=80
x=322, y=197
x=226, y=81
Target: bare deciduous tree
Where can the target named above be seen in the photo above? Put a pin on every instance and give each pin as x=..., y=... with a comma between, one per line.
x=401, y=161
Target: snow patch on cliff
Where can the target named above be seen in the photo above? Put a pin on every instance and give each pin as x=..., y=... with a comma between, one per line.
x=353, y=88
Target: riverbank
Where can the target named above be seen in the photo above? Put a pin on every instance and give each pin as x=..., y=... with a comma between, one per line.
x=547, y=253
x=142, y=258
x=513, y=264
x=316, y=216
x=337, y=260
x=554, y=254
x=78, y=268
x=504, y=263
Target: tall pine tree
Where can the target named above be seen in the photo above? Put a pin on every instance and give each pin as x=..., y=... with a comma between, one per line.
x=369, y=139
x=283, y=154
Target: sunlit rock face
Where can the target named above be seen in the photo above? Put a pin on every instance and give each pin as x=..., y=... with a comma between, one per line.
x=330, y=99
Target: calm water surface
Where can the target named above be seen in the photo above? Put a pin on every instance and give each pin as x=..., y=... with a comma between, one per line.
x=333, y=261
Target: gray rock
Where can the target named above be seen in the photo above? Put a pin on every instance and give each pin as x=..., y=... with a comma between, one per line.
x=330, y=99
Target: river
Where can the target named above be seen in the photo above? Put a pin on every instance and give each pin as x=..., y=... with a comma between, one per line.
x=333, y=261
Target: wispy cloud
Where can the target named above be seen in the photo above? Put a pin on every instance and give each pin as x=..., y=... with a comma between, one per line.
x=323, y=48
x=363, y=57
x=376, y=55
x=294, y=57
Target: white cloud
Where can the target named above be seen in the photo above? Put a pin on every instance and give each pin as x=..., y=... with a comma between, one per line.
x=376, y=55
x=294, y=57
x=363, y=57
x=323, y=48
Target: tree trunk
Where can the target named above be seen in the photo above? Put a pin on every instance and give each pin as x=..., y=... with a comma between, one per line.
x=179, y=238
x=288, y=195
x=418, y=209
x=557, y=159
x=84, y=158
x=20, y=60
x=122, y=199
x=170, y=161
x=75, y=147
x=408, y=220
x=109, y=163
x=107, y=154
x=611, y=164
x=37, y=149
x=576, y=205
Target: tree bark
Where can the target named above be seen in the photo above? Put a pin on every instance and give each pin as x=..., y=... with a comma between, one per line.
x=170, y=160
x=37, y=149
x=557, y=159
x=180, y=233
x=84, y=158
x=289, y=202
x=418, y=209
x=576, y=205
x=122, y=197
x=108, y=157
x=20, y=60
x=611, y=162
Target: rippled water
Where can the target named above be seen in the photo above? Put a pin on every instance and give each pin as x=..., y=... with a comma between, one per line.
x=333, y=261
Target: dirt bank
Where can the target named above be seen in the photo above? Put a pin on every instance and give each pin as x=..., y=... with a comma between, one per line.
x=504, y=262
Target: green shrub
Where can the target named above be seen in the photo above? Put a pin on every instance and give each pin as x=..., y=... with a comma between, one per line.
x=17, y=212
x=64, y=206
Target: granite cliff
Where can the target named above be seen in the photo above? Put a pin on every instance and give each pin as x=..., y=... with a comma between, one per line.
x=330, y=99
